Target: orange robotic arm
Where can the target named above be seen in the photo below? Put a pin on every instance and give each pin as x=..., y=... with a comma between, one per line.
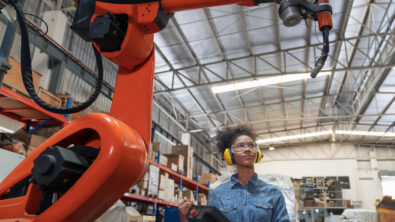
x=84, y=168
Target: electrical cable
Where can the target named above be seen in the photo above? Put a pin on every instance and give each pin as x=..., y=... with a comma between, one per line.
x=35, y=32
x=324, y=53
x=26, y=69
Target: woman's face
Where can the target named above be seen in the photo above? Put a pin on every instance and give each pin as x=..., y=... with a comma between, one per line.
x=244, y=151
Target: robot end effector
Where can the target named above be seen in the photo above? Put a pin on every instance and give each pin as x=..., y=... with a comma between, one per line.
x=292, y=12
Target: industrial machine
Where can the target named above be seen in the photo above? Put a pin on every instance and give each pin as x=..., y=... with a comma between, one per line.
x=83, y=169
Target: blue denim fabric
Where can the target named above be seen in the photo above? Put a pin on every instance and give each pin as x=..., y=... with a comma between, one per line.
x=258, y=201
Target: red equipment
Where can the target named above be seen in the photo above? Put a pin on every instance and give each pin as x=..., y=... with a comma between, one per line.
x=87, y=166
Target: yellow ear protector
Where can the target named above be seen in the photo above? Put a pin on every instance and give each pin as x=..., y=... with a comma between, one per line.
x=230, y=160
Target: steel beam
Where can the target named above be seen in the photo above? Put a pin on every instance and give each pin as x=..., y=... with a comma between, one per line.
x=273, y=52
x=172, y=89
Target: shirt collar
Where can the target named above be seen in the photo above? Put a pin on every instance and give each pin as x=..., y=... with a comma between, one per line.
x=234, y=181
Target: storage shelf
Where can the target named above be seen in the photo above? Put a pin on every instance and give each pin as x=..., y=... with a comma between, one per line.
x=149, y=200
x=186, y=182
x=20, y=108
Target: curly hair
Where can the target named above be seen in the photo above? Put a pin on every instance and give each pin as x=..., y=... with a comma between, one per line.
x=226, y=136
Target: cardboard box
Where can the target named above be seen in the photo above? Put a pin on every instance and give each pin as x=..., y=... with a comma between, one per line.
x=172, y=166
x=178, y=197
x=155, y=147
x=386, y=215
x=161, y=195
x=166, y=188
x=141, y=218
x=36, y=140
x=308, y=203
x=153, y=180
x=176, y=159
x=163, y=160
x=49, y=97
x=162, y=181
x=207, y=178
x=187, y=152
x=202, y=199
x=188, y=194
x=13, y=78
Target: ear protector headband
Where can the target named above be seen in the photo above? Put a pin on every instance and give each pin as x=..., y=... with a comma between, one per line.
x=230, y=160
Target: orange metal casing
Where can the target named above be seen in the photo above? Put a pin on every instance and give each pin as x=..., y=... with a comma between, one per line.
x=325, y=19
x=132, y=100
x=122, y=160
x=180, y=5
x=137, y=45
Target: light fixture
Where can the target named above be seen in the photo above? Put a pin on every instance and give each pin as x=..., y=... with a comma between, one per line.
x=271, y=148
x=323, y=133
x=164, y=137
x=365, y=133
x=195, y=131
x=299, y=136
x=263, y=82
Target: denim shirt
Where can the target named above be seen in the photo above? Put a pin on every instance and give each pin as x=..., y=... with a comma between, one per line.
x=257, y=201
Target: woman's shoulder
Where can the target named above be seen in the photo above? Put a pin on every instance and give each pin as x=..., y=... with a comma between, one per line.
x=221, y=188
x=268, y=187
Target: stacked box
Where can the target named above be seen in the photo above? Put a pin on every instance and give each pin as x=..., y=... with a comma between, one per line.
x=163, y=160
x=162, y=186
x=176, y=159
x=207, y=178
x=187, y=152
x=166, y=188
x=14, y=77
x=143, y=185
x=49, y=97
x=188, y=194
x=153, y=180
x=172, y=166
x=202, y=199
x=141, y=218
x=177, y=196
x=155, y=147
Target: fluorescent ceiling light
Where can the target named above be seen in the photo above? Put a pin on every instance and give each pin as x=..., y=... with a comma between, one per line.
x=164, y=137
x=323, y=133
x=6, y=130
x=271, y=148
x=365, y=133
x=299, y=136
x=263, y=82
x=195, y=131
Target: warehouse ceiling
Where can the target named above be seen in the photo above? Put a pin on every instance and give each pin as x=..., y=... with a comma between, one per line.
x=205, y=48
x=216, y=46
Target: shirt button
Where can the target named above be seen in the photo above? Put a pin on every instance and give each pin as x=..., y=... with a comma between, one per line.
x=245, y=203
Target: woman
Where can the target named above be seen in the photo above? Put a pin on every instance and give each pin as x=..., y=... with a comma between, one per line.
x=244, y=197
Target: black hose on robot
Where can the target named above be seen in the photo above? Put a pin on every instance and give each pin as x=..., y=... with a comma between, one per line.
x=26, y=69
x=324, y=53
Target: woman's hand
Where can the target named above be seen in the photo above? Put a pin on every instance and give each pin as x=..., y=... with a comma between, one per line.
x=183, y=209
